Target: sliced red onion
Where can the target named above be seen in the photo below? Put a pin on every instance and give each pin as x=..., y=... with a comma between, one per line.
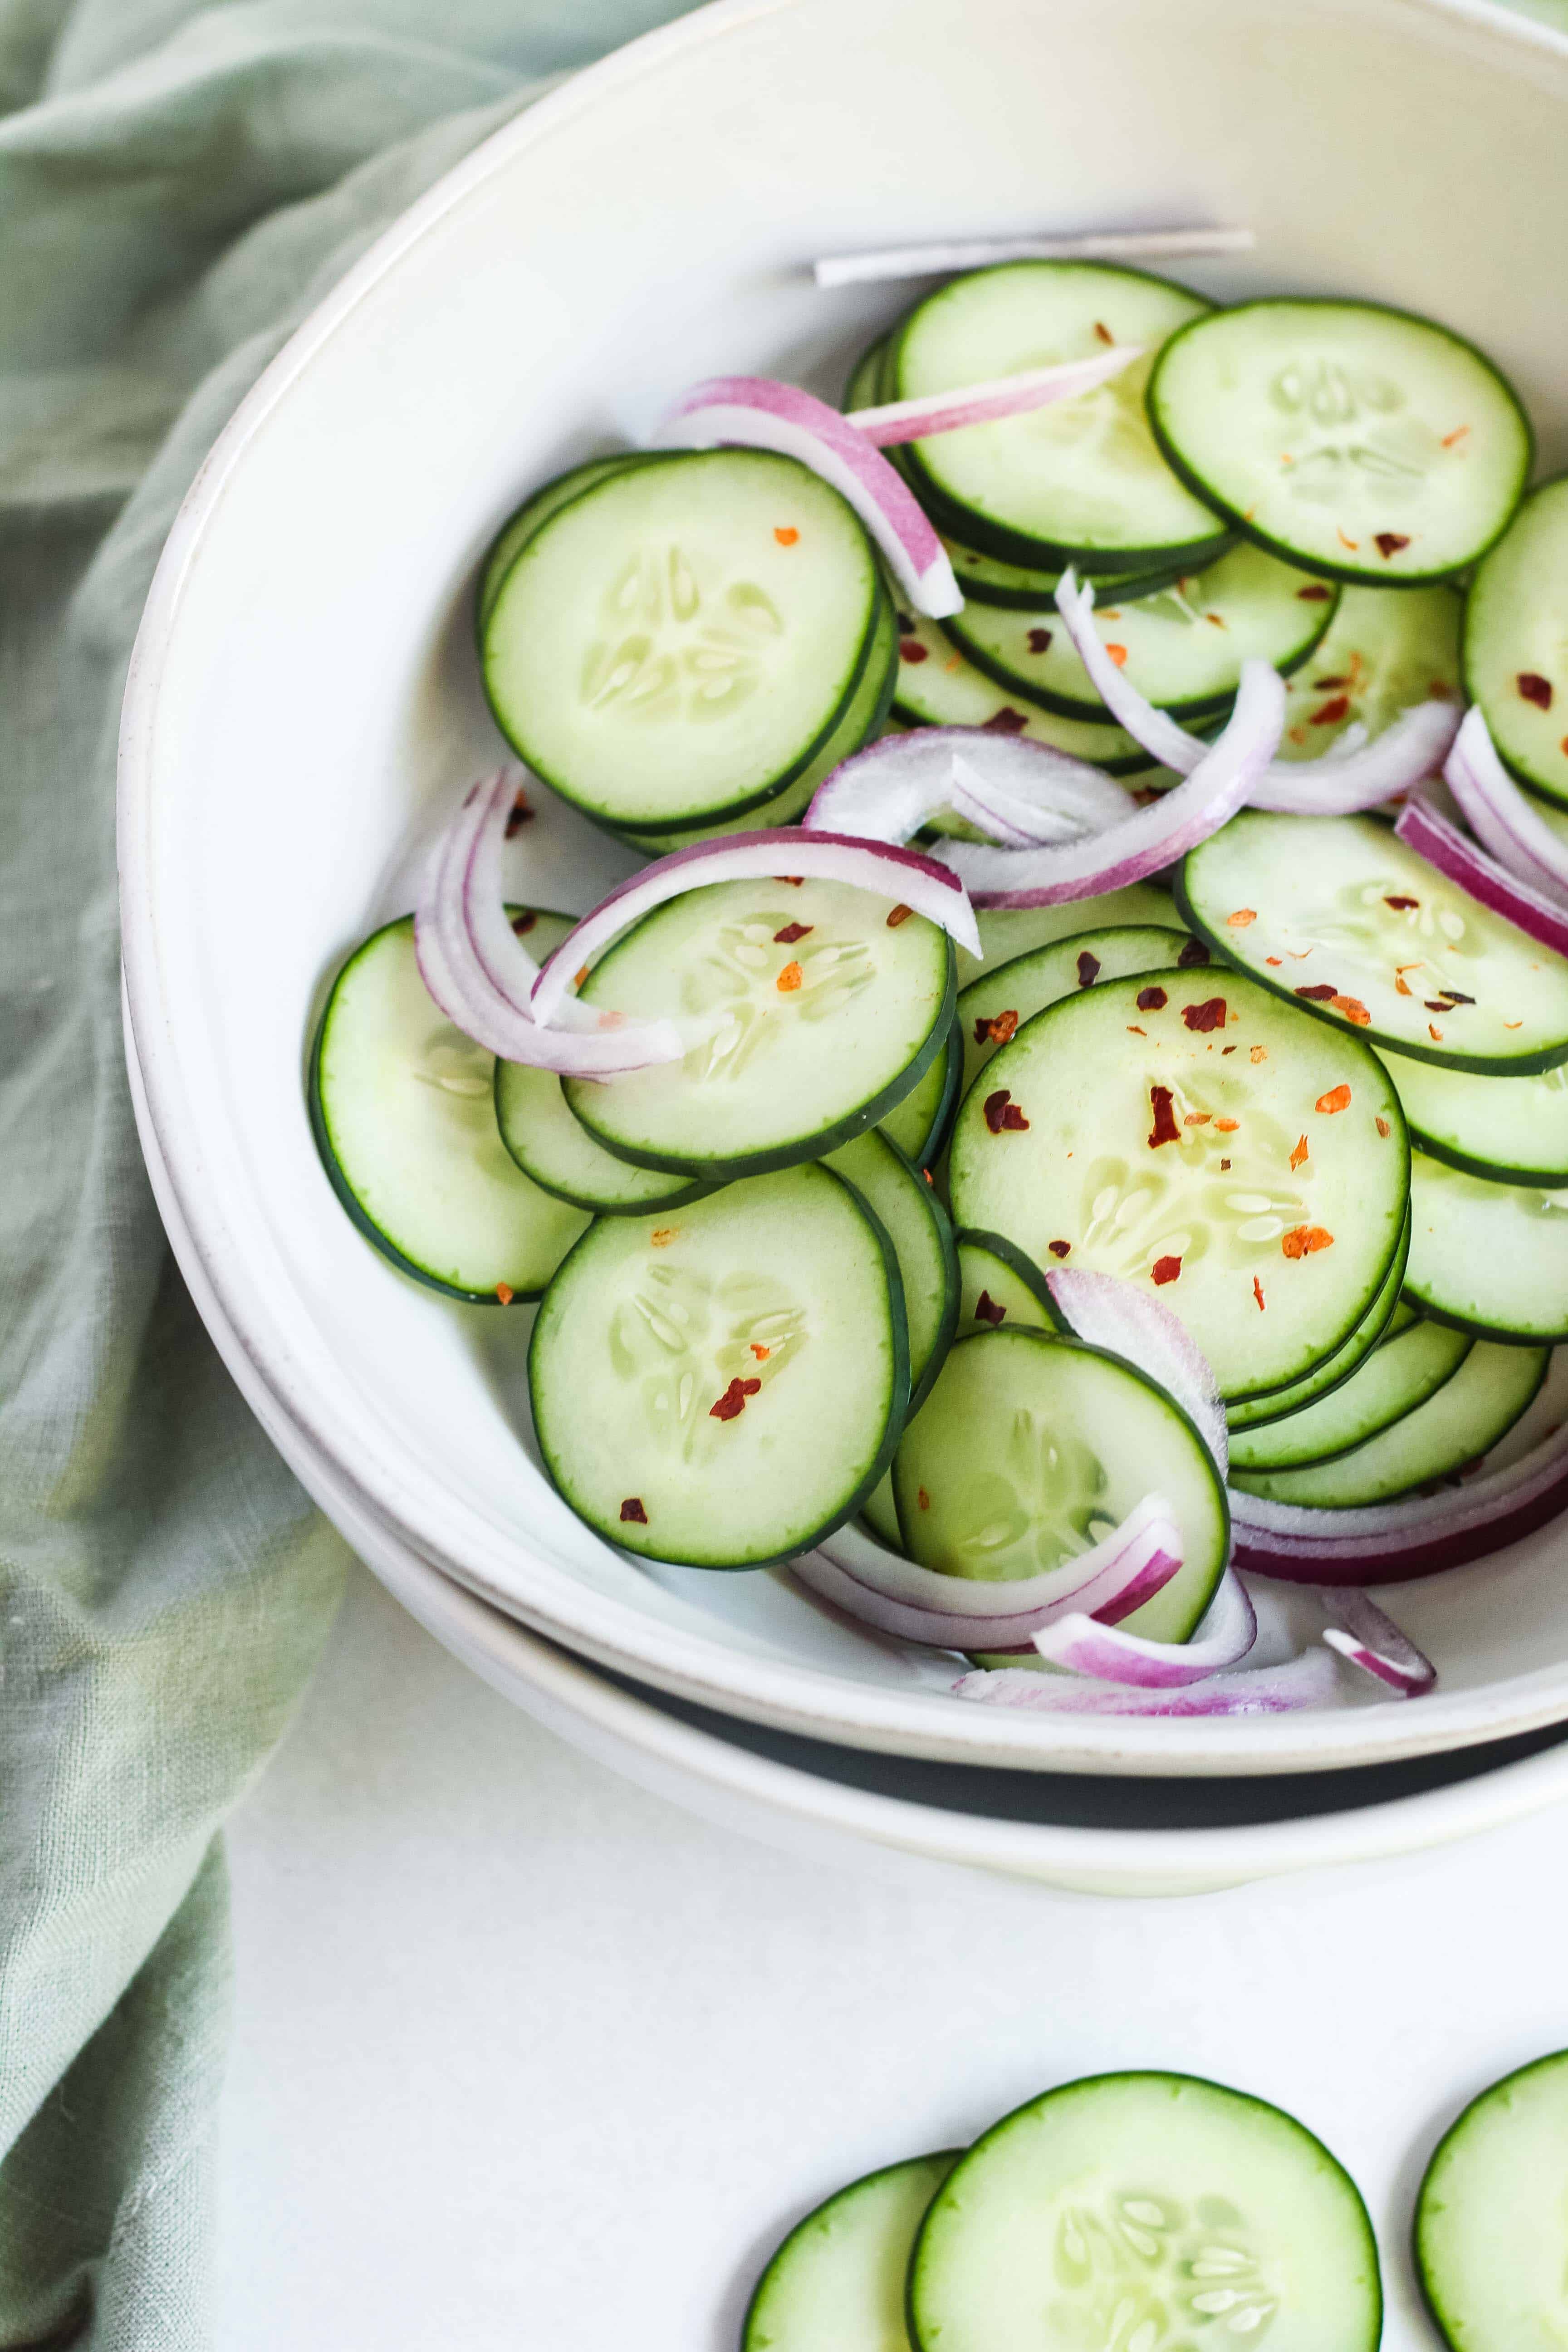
x=1309, y=1680
x=985, y=404
x=981, y=253
x=887, y=791
x=463, y=985
x=1359, y=1630
x=1155, y=836
x=1499, y=813
x=1354, y=775
x=753, y=412
x=1112, y=1314
x=1227, y=1631
x=1442, y=845
x=881, y=867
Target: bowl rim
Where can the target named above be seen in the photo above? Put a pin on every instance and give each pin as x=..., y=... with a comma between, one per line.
x=437, y=1525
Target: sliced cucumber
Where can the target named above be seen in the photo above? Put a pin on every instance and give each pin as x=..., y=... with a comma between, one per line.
x=916, y=1224
x=1390, y=1382
x=402, y=1112
x=1032, y=1448
x=986, y=580
x=1079, y=482
x=919, y=1124
x=785, y=1072
x=1516, y=641
x=650, y=1341
x=997, y=1283
x=678, y=641
x=1337, y=915
x=1510, y=1130
x=1182, y=648
x=1385, y=1319
x=1361, y=442
x=1009, y=931
x=993, y=1008
x=1161, y=1148
x=1488, y=2217
x=1146, y=2212
x=837, y=2283
x=1475, y=1406
x=519, y=528
x=1492, y=1258
x=880, y=1513
x=936, y=687
x=1385, y=650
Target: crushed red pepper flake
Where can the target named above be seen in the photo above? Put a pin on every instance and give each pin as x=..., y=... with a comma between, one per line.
x=1003, y=1113
x=1336, y=1099
x=790, y=979
x=1258, y=1053
x=1039, y=640
x=1330, y=713
x=1058, y=1249
x=1433, y=1033
x=901, y=914
x=1401, y=903
x=518, y=815
x=999, y=1030
x=1258, y=1293
x=1134, y=1030
x=761, y=1353
x=1381, y=1125
x=912, y=650
x=1197, y=1119
x=1401, y=986
x=1152, y=1000
x=1103, y=332
x=1225, y=1167
x=1216, y=620
x=1437, y=1005
x=1353, y=544
x=1389, y=543
x=732, y=1404
x=1319, y=992
x=1239, y=918
x=785, y=533
x=1299, y=1154
x=523, y=924
x=1228, y=1049
x=1164, y=1270
x=1225, y=1126
x=1354, y=1009
x=1276, y=961
x=1088, y=969
x=922, y=1498
x=1329, y=685
x=1318, y=594
x=1457, y=996
x=662, y=1235
x=1195, y=951
x=632, y=1512
x=986, y=1310
x=791, y=932
x=1118, y=653
x=1535, y=689
x=1209, y=1014
x=505, y=1293
x=1458, y=434
x=1006, y=722
x=1165, y=1129
x=580, y=975
x=1305, y=1241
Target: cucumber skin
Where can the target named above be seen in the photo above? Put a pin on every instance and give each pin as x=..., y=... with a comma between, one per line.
x=948, y=1241
x=1020, y=1262
x=955, y=2155
x=1515, y=768
x=1443, y=1315
x=680, y=1197
x=1320, y=566
x=1417, y=2251
x=1492, y=1171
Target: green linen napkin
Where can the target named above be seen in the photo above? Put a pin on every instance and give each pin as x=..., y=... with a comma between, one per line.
x=178, y=187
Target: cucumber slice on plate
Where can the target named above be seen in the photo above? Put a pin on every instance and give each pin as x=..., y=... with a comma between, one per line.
x=837, y=2283
x=1492, y=1258
x=936, y=687
x=880, y=1513
x=1146, y=2212
x=401, y=1111
x=1516, y=641
x=1009, y=931
x=1081, y=482
x=817, y=1013
x=998, y=1285
x=1246, y=1165
x=725, y=1388
x=1468, y=1413
x=1183, y=648
x=993, y=1008
x=1488, y=2217
x=1336, y=915
x=1385, y=650
x=1360, y=442
x=1397, y=1376
x=916, y=1224
x=678, y=641
x=986, y=580
x=1033, y=1447
x=519, y=528
x=919, y=1124
x=1385, y=1319
x=1509, y=1130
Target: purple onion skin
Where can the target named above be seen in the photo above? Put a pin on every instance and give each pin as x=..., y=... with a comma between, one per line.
x=1456, y=1551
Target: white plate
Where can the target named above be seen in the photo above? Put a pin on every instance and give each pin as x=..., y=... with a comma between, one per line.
x=303, y=691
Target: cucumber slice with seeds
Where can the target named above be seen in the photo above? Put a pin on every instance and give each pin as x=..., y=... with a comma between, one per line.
x=1507, y=1130
x=916, y=1224
x=993, y=1008
x=1385, y=1319
x=1390, y=1381
x=724, y=1388
x=837, y=2283
x=1488, y=2217
x=1338, y=916
x=1183, y=648
x=998, y=1285
x=1492, y=1258
x=1475, y=1406
x=1516, y=641
x=534, y=513
x=1358, y=441
x=1009, y=931
x=1259, y=1191
x=919, y=1124
x=1146, y=2212
x=986, y=580
x=936, y=687
x=1386, y=649
x=401, y=1111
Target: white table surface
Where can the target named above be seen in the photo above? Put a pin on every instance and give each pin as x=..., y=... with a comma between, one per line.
x=527, y=2059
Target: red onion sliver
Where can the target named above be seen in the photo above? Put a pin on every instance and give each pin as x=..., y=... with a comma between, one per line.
x=1309, y=1680
x=1442, y=845
x=753, y=412
x=981, y=253
x=881, y=867
x=1227, y=1632
x=985, y=404
x=887, y=791
x=1499, y=813
x=1112, y=1314
x=1358, y=1630
x=1156, y=836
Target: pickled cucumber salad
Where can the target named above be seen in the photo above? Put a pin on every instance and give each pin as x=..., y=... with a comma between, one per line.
x=1071, y=1113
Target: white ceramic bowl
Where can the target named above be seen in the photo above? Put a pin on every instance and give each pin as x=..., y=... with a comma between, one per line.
x=303, y=691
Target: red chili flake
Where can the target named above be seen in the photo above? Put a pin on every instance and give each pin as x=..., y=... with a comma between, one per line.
x=922, y=1498
x=1535, y=689
x=1381, y=1125
x=1455, y=996
x=1436, y=1004
x=901, y=914
x=1195, y=951
x=1118, y=653
x=1564, y=745
x=1329, y=685
x=912, y=650
x=632, y=1512
x=785, y=533
x=1353, y=544
x=1354, y=1009
x=1401, y=986
x=1258, y=1053
x=1330, y=713
x=795, y=881
x=1002, y=1111
x=1058, y=1249
x=791, y=932
x=1197, y=1119
x=999, y=1030
x=1319, y=992
x=1433, y=1033
x=1225, y=1167
x=580, y=975
x=1458, y=434
x=1238, y=919
x=1152, y=1000
x=1039, y=640
x=1006, y=722
x=1316, y=595
x=761, y=1353
x=523, y=924
x=1389, y=543
x=1209, y=1014
x=1165, y=1129
x=1088, y=969
x=1225, y=1126
x=1258, y=1293
x=1164, y=1270
x=1216, y=620
x=1228, y=1049
x=986, y=1310
x=1305, y=1241
x=505, y=1293
x=732, y=1404
x=1134, y=1030
x=1103, y=332
x=1299, y=1154
x=662, y=1235
x=790, y=979
x=1401, y=906
x=1276, y=962
x=518, y=815
x=1336, y=1099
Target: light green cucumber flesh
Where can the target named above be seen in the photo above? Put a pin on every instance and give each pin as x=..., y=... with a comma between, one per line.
x=993, y=1008
x=1468, y=1413
x=788, y=1281
x=1363, y=443
x=680, y=641
x=837, y=2283
x=1009, y=931
x=1146, y=2210
x=937, y=686
x=916, y=1224
x=1032, y=1448
x=986, y=580
x=1385, y=650
x=1488, y=2217
x=1516, y=641
x=1159, y=1156
x=1387, y=1384
x=880, y=1513
x=1385, y=1319
x=535, y=511
x=998, y=1285
x=1512, y=1130
x=1340, y=902
x=402, y=1109
x=1492, y=1258
x=919, y=1124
